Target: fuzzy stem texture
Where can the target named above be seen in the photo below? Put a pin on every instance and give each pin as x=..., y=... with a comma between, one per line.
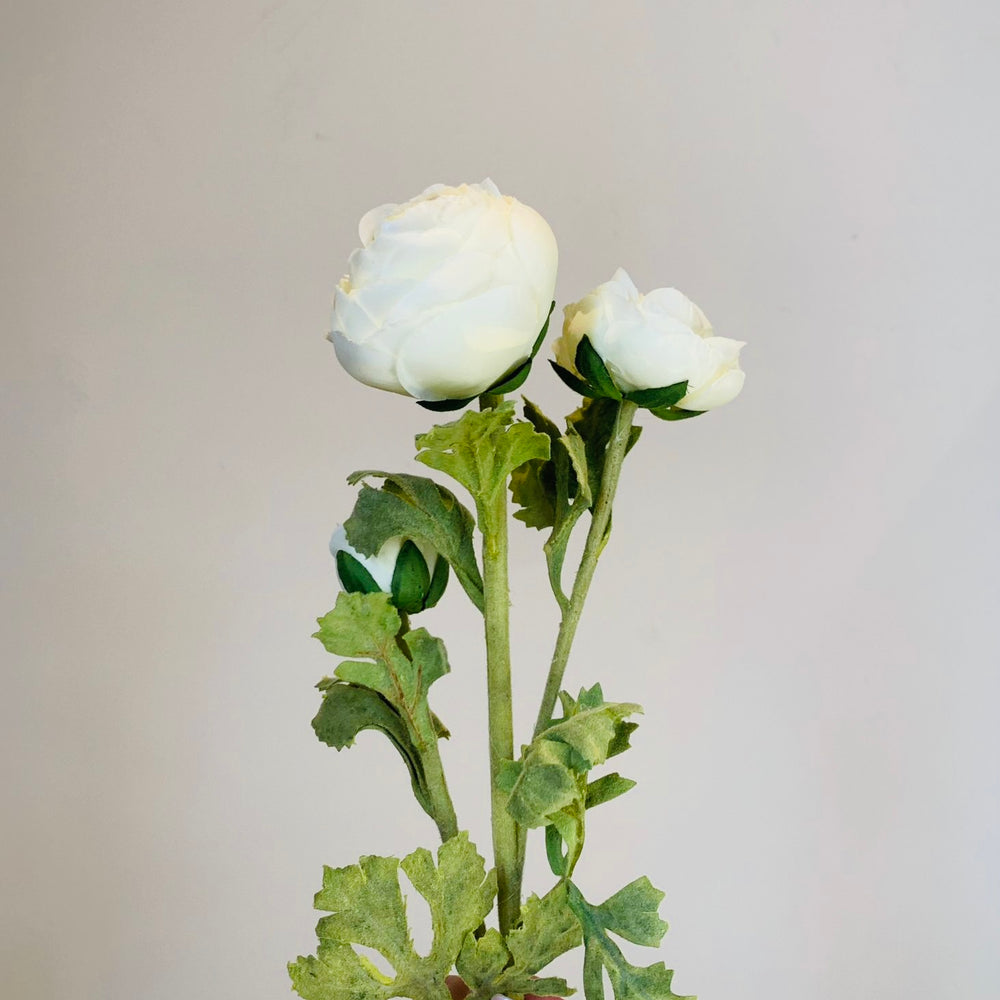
x=496, y=594
x=596, y=539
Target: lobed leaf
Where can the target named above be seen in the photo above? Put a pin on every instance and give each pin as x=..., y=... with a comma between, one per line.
x=418, y=508
x=367, y=908
x=482, y=449
x=631, y=913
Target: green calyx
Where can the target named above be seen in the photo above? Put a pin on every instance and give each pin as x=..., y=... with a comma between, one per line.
x=595, y=382
x=413, y=589
x=512, y=379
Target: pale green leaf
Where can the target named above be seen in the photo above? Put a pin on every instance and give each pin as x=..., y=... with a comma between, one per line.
x=548, y=929
x=416, y=507
x=482, y=449
x=631, y=914
x=367, y=908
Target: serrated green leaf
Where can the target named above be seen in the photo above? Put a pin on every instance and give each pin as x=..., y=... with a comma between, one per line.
x=366, y=908
x=416, y=507
x=591, y=366
x=631, y=914
x=482, y=449
x=348, y=709
x=548, y=929
x=398, y=667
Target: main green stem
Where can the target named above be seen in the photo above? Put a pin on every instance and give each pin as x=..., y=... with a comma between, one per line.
x=596, y=538
x=496, y=611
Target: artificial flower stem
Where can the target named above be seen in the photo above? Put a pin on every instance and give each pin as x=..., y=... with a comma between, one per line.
x=437, y=789
x=596, y=539
x=496, y=612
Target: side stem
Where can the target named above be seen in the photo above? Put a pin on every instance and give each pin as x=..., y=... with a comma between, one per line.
x=596, y=539
x=437, y=789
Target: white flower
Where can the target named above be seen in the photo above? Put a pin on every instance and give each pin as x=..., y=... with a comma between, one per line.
x=651, y=341
x=415, y=582
x=447, y=293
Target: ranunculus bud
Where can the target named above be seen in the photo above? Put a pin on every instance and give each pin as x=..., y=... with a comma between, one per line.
x=652, y=341
x=447, y=295
x=412, y=573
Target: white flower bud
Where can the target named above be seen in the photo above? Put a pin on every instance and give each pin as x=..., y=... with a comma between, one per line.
x=652, y=341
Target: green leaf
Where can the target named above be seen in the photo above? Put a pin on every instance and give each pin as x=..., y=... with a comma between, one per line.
x=606, y=788
x=411, y=579
x=416, y=507
x=401, y=668
x=482, y=449
x=534, y=486
x=631, y=913
x=548, y=929
x=591, y=366
x=652, y=399
x=367, y=908
x=348, y=709
x=549, y=785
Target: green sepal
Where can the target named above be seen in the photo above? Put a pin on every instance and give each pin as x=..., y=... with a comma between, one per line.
x=573, y=381
x=444, y=405
x=514, y=379
x=418, y=508
x=439, y=580
x=411, y=579
x=367, y=908
x=489, y=965
x=354, y=577
x=675, y=413
x=348, y=709
x=594, y=371
x=652, y=399
x=631, y=913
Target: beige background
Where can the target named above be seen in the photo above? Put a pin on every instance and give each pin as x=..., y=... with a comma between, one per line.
x=802, y=589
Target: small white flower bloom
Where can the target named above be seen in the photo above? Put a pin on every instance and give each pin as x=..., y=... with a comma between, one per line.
x=651, y=341
x=447, y=293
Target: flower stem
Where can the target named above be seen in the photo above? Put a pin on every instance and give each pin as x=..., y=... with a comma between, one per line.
x=437, y=790
x=596, y=539
x=496, y=592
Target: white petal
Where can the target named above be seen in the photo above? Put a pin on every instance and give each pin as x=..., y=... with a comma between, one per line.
x=650, y=358
x=368, y=362
x=722, y=390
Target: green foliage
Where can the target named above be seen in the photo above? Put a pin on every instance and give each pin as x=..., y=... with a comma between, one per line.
x=549, y=785
x=348, y=709
x=416, y=507
x=387, y=688
x=631, y=913
x=595, y=373
x=367, y=908
x=555, y=492
x=482, y=449
x=548, y=929
x=675, y=413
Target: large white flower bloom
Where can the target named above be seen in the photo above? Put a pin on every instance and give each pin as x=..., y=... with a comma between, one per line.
x=447, y=293
x=651, y=341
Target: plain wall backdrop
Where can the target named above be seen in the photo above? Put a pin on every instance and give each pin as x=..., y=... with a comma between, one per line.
x=801, y=588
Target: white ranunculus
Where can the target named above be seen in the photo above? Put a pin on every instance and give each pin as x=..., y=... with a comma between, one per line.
x=653, y=340
x=447, y=293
